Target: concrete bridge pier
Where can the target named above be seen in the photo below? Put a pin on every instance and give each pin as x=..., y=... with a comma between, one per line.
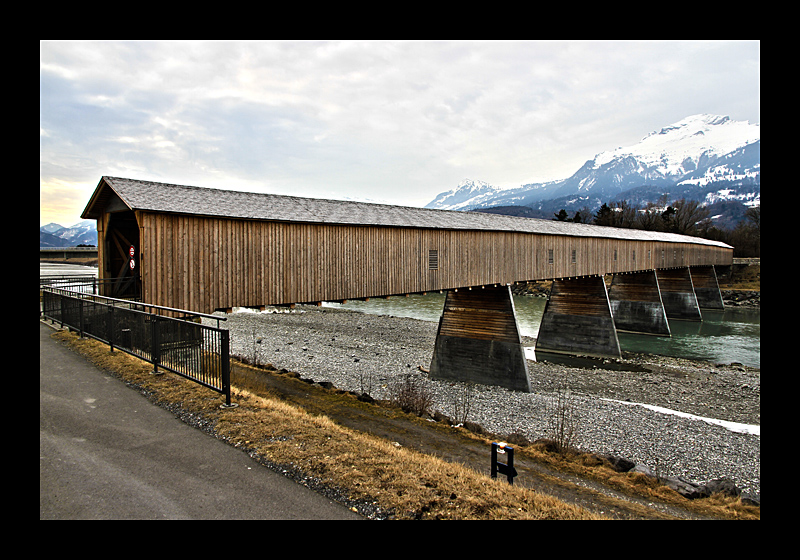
x=706, y=287
x=677, y=293
x=478, y=340
x=636, y=303
x=578, y=320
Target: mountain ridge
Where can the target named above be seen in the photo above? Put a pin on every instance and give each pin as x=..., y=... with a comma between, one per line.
x=708, y=158
x=56, y=235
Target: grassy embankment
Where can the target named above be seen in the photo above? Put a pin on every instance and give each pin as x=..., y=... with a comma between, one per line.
x=743, y=278
x=369, y=469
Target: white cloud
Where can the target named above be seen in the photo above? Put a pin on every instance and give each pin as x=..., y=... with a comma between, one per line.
x=399, y=121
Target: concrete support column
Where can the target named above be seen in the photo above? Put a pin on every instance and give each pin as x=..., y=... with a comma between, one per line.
x=636, y=303
x=677, y=293
x=578, y=319
x=478, y=340
x=706, y=287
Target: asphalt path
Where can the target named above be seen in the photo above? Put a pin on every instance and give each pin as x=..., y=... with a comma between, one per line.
x=106, y=452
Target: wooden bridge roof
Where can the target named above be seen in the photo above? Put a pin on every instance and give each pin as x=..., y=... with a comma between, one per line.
x=179, y=199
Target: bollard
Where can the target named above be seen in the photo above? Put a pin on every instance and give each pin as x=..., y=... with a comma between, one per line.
x=503, y=468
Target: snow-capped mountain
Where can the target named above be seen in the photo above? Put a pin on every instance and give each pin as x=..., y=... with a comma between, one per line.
x=55, y=235
x=692, y=156
x=739, y=164
x=467, y=194
x=679, y=149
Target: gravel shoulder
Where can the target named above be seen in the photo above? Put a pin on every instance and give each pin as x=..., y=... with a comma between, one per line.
x=371, y=354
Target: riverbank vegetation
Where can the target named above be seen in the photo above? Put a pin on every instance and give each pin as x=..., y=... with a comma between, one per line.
x=685, y=217
x=742, y=277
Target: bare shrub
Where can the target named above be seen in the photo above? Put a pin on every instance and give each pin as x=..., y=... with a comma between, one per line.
x=562, y=419
x=255, y=343
x=366, y=382
x=412, y=395
x=463, y=396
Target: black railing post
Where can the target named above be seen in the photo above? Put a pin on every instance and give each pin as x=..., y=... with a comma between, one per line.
x=225, y=357
x=80, y=317
x=110, y=326
x=155, y=346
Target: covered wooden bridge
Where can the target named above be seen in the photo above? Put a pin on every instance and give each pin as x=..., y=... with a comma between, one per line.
x=206, y=249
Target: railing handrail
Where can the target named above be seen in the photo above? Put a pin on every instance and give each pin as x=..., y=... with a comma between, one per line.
x=75, y=293
x=62, y=277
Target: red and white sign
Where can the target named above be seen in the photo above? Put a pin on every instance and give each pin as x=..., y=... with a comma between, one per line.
x=132, y=251
x=133, y=264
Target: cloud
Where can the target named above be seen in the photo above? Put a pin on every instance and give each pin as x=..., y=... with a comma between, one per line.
x=60, y=200
x=393, y=120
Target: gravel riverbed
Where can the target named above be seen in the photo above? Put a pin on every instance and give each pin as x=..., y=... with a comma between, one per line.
x=372, y=354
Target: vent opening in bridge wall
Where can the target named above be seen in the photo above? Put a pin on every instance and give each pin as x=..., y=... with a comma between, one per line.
x=433, y=259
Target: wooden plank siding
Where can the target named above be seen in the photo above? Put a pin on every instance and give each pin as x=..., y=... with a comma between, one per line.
x=205, y=263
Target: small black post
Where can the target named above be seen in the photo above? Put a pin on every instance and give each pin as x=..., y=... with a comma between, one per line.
x=225, y=357
x=155, y=346
x=80, y=316
x=110, y=327
x=503, y=468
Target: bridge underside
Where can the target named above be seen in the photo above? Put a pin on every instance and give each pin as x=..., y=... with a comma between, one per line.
x=478, y=338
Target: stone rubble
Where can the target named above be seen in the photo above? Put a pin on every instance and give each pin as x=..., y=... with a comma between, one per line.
x=370, y=354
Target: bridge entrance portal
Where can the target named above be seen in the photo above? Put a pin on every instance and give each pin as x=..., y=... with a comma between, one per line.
x=121, y=257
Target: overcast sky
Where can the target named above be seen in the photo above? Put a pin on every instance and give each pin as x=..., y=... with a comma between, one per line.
x=387, y=121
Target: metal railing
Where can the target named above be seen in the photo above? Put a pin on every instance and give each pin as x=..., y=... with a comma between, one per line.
x=90, y=284
x=176, y=343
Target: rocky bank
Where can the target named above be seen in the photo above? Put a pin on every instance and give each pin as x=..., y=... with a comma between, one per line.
x=681, y=439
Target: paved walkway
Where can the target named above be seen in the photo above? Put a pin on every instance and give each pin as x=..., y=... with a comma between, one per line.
x=106, y=452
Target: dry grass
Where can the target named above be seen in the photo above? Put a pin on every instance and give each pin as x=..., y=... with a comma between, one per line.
x=743, y=278
x=590, y=466
x=401, y=480
x=368, y=469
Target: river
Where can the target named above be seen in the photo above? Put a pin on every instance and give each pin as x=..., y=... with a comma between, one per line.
x=732, y=335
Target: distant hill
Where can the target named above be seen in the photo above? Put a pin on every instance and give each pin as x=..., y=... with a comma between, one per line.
x=55, y=235
x=519, y=211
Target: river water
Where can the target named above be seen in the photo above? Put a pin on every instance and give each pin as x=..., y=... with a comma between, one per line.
x=732, y=335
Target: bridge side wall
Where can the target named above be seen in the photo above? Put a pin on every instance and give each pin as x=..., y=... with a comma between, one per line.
x=206, y=263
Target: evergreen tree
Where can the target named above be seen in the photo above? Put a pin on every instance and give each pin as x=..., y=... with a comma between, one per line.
x=668, y=218
x=604, y=216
